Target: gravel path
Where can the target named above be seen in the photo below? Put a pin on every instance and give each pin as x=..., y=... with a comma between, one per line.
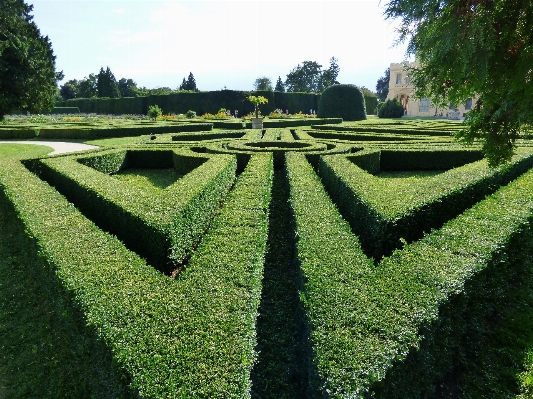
x=60, y=147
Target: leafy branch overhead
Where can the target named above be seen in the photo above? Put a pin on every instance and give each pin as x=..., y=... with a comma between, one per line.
x=480, y=49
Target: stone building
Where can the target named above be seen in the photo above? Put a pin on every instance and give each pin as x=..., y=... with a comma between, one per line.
x=401, y=89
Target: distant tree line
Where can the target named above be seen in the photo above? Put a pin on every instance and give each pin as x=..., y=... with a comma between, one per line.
x=306, y=78
x=309, y=77
x=104, y=84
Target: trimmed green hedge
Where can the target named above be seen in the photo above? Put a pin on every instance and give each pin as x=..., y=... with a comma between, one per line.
x=360, y=137
x=18, y=133
x=162, y=225
x=397, y=329
x=385, y=129
x=384, y=217
x=342, y=101
x=84, y=133
x=190, y=337
x=65, y=110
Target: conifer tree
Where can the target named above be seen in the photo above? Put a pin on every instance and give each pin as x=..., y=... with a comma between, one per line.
x=279, y=85
x=107, y=84
x=28, y=79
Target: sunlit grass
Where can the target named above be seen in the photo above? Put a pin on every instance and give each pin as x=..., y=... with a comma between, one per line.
x=21, y=151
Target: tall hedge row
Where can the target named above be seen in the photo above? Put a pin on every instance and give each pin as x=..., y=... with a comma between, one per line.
x=202, y=103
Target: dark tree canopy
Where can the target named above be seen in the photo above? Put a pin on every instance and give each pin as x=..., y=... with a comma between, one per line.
x=70, y=89
x=106, y=84
x=189, y=84
x=304, y=78
x=127, y=87
x=329, y=76
x=382, y=86
x=263, y=84
x=87, y=87
x=28, y=79
x=279, y=85
x=474, y=48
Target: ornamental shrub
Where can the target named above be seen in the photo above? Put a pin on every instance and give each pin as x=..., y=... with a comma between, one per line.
x=342, y=101
x=154, y=111
x=190, y=114
x=391, y=109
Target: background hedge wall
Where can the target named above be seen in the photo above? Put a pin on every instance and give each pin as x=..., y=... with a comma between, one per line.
x=205, y=102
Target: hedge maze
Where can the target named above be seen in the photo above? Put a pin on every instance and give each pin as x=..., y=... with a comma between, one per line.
x=279, y=263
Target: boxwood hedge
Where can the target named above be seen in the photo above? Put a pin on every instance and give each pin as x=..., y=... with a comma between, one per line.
x=161, y=225
x=395, y=330
x=384, y=217
x=190, y=337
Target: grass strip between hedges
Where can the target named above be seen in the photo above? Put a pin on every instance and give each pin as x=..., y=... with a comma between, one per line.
x=375, y=330
x=175, y=339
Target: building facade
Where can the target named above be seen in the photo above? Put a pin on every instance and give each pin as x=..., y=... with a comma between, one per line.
x=401, y=88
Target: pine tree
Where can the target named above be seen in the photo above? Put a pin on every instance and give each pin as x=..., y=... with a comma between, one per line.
x=107, y=84
x=279, y=85
x=28, y=79
x=183, y=85
x=191, y=83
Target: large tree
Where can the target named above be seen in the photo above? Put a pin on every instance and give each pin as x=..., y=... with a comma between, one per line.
x=304, y=78
x=189, y=84
x=28, y=79
x=279, y=85
x=474, y=49
x=329, y=76
x=263, y=84
x=382, y=85
x=87, y=87
x=106, y=84
x=70, y=89
x=127, y=87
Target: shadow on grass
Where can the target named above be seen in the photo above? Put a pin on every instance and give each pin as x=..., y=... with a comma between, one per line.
x=46, y=349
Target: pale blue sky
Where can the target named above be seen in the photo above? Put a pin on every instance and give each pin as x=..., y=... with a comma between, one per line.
x=223, y=43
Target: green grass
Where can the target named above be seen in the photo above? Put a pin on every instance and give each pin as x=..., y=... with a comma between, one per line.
x=149, y=178
x=21, y=151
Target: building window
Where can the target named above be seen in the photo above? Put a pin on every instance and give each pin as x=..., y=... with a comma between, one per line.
x=407, y=79
x=452, y=106
x=468, y=105
x=398, y=78
x=424, y=104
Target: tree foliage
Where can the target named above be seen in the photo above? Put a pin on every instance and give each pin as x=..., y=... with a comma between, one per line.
x=391, y=109
x=329, y=76
x=189, y=84
x=87, y=87
x=279, y=85
x=70, y=89
x=127, y=87
x=28, y=79
x=106, y=84
x=382, y=85
x=263, y=84
x=474, y=48
x=311, y=78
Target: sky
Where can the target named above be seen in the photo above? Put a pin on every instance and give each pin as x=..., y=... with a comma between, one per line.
x=225, y=44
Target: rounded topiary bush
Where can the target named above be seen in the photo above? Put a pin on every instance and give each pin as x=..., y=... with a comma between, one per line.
x=391, y=109
x=342, y=101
